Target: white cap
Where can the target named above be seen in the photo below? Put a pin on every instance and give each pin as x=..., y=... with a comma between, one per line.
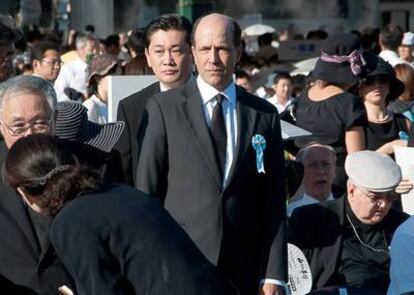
x=408, y=39
x=373, y=171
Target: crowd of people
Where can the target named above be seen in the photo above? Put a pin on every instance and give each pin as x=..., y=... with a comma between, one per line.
x=192, y=190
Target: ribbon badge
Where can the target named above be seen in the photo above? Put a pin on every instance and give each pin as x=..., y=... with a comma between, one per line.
x=259, y=145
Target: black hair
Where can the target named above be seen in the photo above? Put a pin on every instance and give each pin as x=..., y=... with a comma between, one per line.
x=391, y=36
x=167, y=22
x=111, y=40
x=282, y=75
x=240, y=74
x=41, y=166
x=136, y=41
x=39, y=49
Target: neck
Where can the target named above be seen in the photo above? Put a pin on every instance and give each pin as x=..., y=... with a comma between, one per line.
x=282, y=100
x=377, y=113
x=319, y=197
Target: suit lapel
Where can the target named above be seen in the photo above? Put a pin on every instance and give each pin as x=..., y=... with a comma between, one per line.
x=246, y=123
x=196, y=122
x=13, y=207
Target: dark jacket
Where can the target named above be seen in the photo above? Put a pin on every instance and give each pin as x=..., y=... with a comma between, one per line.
x=131, y=110
x=120, y=241
x=239, y=227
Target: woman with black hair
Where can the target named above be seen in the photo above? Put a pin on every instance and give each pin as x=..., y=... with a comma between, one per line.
x=112, y=239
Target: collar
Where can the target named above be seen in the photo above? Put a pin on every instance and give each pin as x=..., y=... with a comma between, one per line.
x=309, y=198
x=388, y=53
x=208, y=92
x=165, y=88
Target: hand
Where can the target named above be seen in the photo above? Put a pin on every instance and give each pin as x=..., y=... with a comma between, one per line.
x=270, y=289
x=404, y=187
x=388, y=148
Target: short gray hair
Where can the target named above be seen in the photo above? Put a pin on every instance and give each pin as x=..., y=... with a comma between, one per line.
x=82, y=39
x=31, y=84
x=303, y=152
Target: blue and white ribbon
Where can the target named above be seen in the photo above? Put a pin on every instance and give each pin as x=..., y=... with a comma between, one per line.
x=403, y=135
x=259, y=145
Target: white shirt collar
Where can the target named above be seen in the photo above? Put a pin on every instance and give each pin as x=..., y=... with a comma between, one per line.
x=309, y=198
x=208, y=92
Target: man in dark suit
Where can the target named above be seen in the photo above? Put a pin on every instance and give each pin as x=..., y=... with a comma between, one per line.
x=168, y=53
x=198, y=159
x=346, y=241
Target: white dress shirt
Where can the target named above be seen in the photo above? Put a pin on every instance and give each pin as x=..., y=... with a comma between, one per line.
x=71, y=75
x=392, y=58
x=229, y=105
x=280, y=107
x=304, y=200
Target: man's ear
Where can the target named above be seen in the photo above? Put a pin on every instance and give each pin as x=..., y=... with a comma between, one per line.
x=147, y=56
x=350, y=191
x=35, y=63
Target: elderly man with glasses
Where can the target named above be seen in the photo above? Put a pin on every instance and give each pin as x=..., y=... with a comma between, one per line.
x=27, y=106
x=346, y=241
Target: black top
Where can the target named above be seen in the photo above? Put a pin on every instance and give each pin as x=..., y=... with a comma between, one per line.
x=329, y=119
x=359, y=265
x=378, y=134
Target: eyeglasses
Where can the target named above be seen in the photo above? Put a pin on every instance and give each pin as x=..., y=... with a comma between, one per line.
x=380, y=79
x=53, y=62
x=376, y=197
x=38, y=126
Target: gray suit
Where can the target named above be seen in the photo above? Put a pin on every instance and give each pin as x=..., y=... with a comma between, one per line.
x=241, y=227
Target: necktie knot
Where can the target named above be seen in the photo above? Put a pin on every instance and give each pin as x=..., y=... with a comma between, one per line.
x=220, y=98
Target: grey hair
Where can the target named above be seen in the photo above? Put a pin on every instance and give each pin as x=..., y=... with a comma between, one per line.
x=303, y=152
x=81, y=39
x=31, y=84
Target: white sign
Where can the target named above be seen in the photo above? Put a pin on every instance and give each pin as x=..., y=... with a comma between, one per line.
x=300, y=276
x=120, y=87
x=404, y=156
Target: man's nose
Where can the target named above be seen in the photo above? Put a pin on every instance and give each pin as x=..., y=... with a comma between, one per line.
x=168, y=58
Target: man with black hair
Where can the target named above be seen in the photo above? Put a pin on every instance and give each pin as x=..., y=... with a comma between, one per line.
x=390, y=38
x=46, y=60
x=168, y=53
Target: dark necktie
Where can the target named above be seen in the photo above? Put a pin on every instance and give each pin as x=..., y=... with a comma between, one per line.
x=218, y=132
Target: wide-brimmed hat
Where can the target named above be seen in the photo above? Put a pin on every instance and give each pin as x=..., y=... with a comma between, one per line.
x=101, y=65
x=375, y=66
x=373, y=171
x=72, y=124
x=341, y=59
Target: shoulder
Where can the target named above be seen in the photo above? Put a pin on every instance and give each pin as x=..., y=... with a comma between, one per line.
x=89, y=103
x=140, y=96
x=254, y=102
x=397, y=217
x=322, y=210
x=176, y=95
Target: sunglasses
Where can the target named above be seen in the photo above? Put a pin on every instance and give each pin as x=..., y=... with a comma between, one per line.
x=380, y=79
